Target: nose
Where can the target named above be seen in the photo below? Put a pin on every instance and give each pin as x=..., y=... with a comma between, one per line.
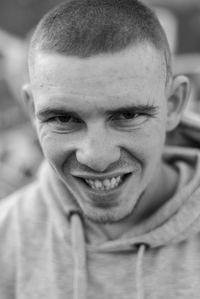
x=98, y=150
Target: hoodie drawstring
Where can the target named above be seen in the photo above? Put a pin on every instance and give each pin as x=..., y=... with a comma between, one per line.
x=139, y=273
x=79, y=256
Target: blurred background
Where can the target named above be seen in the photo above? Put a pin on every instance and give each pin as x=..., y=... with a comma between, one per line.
x=20, y=154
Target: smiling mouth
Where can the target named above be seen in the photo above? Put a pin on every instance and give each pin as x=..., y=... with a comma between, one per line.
x=105, y=184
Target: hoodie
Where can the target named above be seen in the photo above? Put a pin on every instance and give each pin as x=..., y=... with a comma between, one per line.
x=48, y=250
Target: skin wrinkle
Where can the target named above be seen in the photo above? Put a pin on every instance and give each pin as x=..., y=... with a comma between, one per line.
x=101, y=94
x=98, y=83
x=100, y=97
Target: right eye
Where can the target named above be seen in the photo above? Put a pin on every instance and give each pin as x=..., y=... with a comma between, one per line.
x=64, y=119
x=64, y=122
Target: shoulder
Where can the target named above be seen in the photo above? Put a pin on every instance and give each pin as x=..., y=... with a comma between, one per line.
x=21, y=210
x=18, y=199
x=15, y=211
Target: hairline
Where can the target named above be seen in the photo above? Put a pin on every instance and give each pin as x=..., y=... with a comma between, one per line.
x=34, y=51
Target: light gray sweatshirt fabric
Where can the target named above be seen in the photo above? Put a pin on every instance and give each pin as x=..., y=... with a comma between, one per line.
x=48, y=251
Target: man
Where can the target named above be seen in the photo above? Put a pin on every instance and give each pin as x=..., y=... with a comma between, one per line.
x=114, y=213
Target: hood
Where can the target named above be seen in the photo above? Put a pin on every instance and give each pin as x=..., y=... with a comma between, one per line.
x=177, y=219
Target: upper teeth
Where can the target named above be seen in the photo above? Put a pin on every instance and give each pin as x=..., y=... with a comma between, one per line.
x=105, y=184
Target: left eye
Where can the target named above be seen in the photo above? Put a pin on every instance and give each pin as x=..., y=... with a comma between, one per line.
x=129, y=119
x=127, y=116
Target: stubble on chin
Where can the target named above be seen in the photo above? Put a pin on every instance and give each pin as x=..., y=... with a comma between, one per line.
x=111, y=215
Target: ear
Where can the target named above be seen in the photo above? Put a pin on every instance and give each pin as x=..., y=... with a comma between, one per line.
x=29, y=101
x=177, y=101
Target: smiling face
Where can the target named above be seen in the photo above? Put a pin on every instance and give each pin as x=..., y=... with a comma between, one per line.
x=101, y=122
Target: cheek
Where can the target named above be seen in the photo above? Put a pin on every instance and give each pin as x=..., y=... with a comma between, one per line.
x=53, y=146
x=153, y=147
x=146, y=145
x=57, y=147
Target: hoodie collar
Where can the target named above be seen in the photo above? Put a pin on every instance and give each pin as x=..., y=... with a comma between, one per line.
x=173, y=222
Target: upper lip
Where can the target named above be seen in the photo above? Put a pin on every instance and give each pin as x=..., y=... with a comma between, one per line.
x=100, y=176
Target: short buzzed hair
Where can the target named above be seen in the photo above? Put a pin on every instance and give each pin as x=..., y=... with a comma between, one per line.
x=85, y=28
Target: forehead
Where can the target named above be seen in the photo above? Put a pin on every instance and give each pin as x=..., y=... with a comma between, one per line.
x=136, y=70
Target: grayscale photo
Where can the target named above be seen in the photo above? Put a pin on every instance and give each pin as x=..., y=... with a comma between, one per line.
x=99, y=149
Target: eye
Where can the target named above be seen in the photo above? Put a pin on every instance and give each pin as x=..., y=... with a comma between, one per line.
x=127, y=115
x=64, y=119
x=129, y=119
x=65, y=122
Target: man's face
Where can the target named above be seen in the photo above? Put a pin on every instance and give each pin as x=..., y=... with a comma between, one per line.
x=101, y=122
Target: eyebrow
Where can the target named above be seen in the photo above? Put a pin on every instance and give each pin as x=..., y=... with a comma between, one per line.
x=51, y=112
x=151, y=109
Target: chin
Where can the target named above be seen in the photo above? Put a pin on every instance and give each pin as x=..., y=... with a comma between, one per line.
x=108, y=215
